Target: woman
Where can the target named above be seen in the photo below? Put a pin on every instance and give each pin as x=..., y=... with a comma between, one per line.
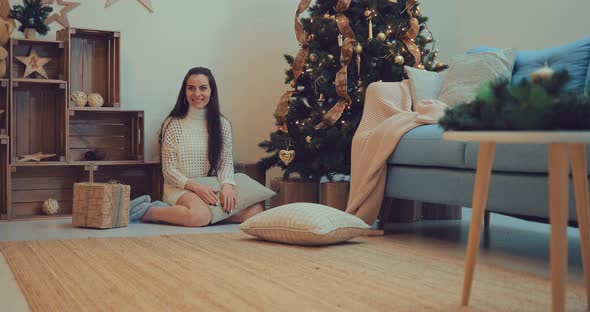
x=196, y=142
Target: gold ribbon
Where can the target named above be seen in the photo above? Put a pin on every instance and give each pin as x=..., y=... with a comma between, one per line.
x=341, y=77
x=412, y=33
x=283, y=105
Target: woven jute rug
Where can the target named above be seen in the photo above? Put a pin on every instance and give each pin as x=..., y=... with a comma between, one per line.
x=233, y=272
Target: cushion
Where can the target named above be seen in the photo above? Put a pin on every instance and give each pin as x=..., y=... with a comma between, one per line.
x=424, y=146
x=468, y=71
x=248, y=193
x=304, y=224
x=574, y=57
x=424, y=85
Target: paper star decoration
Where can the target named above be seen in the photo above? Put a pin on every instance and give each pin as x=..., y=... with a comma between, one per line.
x=36, y=157
x=146, y=3
x=34, y=63
x=61, y=18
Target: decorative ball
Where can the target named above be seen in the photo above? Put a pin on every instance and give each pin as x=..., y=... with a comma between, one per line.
x=418, y=10
x=293, y=84
x=95, y=100
x=310, y=37
x=50, y=206
x=358, y=49
x=308, y=139
x=330, y=56
x=420, y=66
x=313, y=57
x=399, y=60
x=381, y=36
x=80, y=98
x=543, y=73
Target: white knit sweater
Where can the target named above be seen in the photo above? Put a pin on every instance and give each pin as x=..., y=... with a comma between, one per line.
x=185, y=146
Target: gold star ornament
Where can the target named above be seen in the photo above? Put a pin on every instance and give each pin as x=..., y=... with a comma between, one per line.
x=61, y=18
x=146, y=3
x=34, y=63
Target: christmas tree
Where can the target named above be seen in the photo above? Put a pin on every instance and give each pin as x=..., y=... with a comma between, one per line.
x=345, y=46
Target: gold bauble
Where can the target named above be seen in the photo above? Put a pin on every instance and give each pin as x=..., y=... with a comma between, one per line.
x=330, y=56
x=308, y=139
x=310, y=37
x=418, y=10
x=420, y=66
x=313, y=57
x=399, y=60
x=293, y=84
x=359, y=83
x=358, y=49
x=381, y=36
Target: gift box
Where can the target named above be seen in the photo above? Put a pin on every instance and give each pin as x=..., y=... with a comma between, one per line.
x=101, y=205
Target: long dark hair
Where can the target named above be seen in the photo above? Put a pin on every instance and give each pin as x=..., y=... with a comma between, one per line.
x=180, y=110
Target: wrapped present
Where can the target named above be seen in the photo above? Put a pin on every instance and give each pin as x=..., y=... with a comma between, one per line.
x=100, y=205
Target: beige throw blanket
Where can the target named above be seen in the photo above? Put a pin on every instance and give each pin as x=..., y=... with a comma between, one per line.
x=386, y=118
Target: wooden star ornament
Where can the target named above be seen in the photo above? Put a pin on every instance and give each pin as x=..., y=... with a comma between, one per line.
x=146, y=3
x=35, y=157
x=61, y=18
x=34, y=63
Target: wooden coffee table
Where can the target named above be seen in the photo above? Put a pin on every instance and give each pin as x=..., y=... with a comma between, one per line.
x=563, y=147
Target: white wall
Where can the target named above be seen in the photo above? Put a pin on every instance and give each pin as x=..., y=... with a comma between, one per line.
x=243, y=43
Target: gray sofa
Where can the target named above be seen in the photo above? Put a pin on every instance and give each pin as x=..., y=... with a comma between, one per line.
x=426, y=168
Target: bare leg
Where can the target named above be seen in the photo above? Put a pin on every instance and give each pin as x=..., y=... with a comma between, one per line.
x=190, y=210
x=245, y=214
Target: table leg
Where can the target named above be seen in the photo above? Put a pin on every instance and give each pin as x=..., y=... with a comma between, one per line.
x=579, y=169
x=485, y=159
x=558, y=211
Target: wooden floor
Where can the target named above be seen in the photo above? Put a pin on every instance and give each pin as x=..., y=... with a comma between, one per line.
x=510, y=243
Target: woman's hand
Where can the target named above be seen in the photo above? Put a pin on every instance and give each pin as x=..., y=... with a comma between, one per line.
x=206, y=193
x=228, y=198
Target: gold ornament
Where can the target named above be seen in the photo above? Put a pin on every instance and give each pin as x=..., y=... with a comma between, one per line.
x=358, y=49
x=370, y=29
x=420, y=66
x=310, y=37
x=381, y=36
x=330, y=56
x=359, y=83
x=543, y=73
x=340, y=40
x=35, y=157
x=313, y=57
x=287, y=156
x=293, y=84
x=399, y=60
x=418, y=10
x=308, y=139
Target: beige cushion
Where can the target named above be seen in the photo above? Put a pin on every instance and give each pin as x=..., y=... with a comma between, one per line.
x=468, y=71
x=424, y=85
x=248, y=193
x=304, y=224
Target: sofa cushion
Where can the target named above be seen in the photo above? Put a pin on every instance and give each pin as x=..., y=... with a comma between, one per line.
x=574, y=57
x=529, y=158
x=424, y=146
x=467, y=72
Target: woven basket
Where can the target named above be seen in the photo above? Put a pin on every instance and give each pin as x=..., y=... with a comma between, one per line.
x=100, y=205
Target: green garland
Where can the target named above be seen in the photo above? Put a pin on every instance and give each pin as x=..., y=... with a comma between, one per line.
x=538, y=105
x=31, y=14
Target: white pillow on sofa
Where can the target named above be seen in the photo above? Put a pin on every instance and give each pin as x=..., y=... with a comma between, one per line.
x=304, y=224
x=467, y=72
x=424, y=85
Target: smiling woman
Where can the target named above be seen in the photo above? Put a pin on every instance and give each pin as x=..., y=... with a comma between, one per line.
x=196, y=143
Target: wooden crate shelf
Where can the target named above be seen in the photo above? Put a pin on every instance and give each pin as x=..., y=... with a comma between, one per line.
x=4, y=106
x=56, y=68
x=4, y=177
x=94, y=62
x=38, y=120
x=143, y=178
x=31, y=186
x=112, y=135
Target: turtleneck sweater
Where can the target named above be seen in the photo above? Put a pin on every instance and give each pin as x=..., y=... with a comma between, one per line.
x=184, y=152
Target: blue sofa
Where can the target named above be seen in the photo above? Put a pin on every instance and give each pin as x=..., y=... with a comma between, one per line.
x=426, y=168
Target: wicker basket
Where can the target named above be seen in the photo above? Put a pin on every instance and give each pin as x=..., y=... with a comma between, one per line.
x=100, y=205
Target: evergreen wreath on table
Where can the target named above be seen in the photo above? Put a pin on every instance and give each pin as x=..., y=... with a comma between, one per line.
x=31, y=14
x=539, y=104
